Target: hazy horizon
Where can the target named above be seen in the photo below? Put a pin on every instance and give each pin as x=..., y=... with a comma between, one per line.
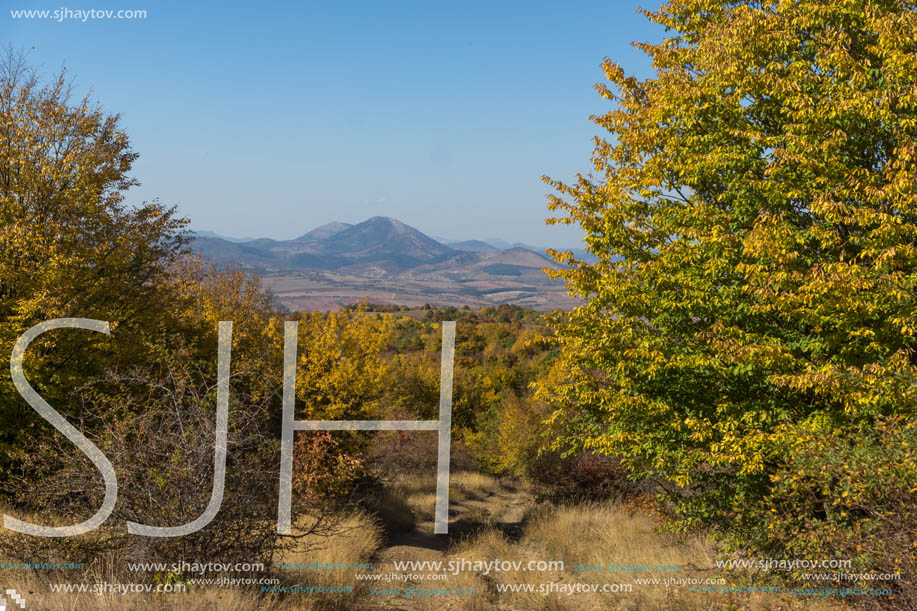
x=290, y=234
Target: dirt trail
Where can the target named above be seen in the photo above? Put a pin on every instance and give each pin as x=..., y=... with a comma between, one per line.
x=503, y=506
x=500, y=505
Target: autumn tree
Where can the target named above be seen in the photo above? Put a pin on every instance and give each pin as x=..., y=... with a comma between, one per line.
x=341, y=372
x=753, y=212
x=70, y=246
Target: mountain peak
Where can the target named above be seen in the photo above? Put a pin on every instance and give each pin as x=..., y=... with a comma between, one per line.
x=387, y=238
x=387, y=220
x=324, y=231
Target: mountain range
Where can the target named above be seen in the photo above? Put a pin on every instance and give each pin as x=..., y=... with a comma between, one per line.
x=380, y=245
x=388, y=261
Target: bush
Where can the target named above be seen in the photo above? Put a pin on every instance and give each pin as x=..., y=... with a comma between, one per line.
x=848, y=495
x=586, y=477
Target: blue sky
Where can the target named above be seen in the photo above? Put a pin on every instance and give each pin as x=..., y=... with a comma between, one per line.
x=268, y=119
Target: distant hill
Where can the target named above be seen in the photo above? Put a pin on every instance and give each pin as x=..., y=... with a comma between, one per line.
x=385, y=242
x=499, y=244
x=387, y=261
x=209, y=234
x=377, y=246
x=473, y=246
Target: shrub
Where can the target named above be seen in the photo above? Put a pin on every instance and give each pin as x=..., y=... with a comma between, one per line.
x=848, y=495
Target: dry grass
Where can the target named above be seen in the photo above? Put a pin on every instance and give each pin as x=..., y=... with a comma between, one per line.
x=585, y=534
x=418, y=494
x=358, y=540
x=414, y=493
x=602, y=534
x=465, y=485
x=35, y=589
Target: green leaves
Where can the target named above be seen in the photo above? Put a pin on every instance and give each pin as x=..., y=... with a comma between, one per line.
x=755, y=223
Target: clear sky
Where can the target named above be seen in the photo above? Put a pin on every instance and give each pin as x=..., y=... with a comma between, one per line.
x=268, y=119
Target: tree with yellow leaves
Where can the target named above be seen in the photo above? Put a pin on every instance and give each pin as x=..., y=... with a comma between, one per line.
x=754, y=219
x=69, y=244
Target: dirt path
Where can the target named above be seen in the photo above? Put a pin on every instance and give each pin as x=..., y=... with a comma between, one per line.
x=499, y=505
x=504, y=506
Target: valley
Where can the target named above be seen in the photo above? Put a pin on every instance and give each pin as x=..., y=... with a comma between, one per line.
x=385, y=261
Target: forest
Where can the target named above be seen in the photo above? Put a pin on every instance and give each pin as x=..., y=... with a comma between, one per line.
x=734, y=397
